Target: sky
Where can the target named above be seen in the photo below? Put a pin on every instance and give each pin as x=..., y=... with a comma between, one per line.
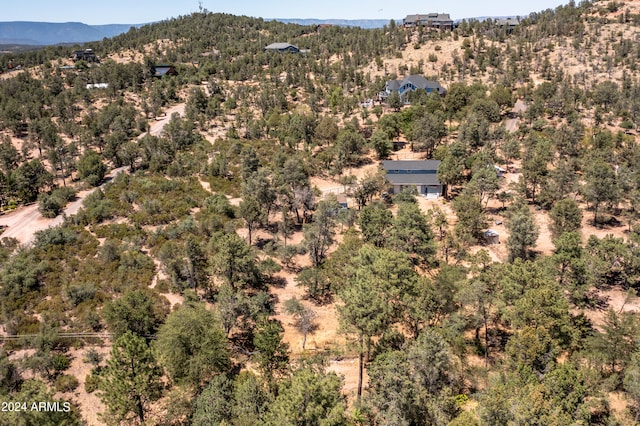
x=143, y=11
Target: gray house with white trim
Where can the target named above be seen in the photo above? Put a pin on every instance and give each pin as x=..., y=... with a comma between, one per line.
x=421, y=174
x=411, y=84
x=282, y=47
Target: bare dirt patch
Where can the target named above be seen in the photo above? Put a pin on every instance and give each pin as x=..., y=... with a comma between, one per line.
x=90, y=404
x=615, y=299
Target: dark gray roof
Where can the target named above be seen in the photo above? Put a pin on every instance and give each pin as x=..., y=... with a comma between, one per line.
x=393, y=84
x=411, y=169
x=413, y=179
x=411, y=165
x=420, y=82
x=428, y=17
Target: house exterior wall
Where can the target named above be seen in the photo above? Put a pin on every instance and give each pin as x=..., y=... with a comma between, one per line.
x=428, y=21
x=433, y=190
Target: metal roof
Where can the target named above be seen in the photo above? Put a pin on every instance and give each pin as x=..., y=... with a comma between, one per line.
x=418, y=81
x=430, y=179
x=164, y=69
x=428, y=17
x=411, y=165
x=280, y=46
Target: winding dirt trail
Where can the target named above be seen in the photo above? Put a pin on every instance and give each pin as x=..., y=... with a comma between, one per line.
x=24, y=222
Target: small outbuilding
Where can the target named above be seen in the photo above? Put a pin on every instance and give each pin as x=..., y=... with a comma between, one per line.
x=491, y=236
x=343, y=201
x=162, y=70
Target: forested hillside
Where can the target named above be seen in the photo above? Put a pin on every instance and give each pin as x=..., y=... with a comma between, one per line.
x=251, y=265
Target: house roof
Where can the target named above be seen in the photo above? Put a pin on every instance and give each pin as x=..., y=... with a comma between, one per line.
x=428, y=17
x=420, y=82
x=393, y=84
x=280, y=46
x=412, y=169
x=430, y=179
x=164, y=69
x=98, y=86
x=509, y=22
x=411, y=165
x=417, y=80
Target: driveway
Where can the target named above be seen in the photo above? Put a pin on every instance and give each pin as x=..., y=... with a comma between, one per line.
x=512, y=123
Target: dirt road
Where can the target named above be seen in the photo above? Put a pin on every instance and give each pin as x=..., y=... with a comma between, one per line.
x=158, y=125
x=512, y=123
x=24, y=222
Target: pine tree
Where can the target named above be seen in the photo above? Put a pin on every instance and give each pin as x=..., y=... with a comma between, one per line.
x=523, y=232
x=131, y=380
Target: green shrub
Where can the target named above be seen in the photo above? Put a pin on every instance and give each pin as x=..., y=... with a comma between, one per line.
x=91, y=168
x=78, y=293
x=60, y=362
x=162, y=286
x=91, y=383
x=66, y=383
x=118, y=231
x=626, y=124
x=49, y=206
x=93, y=357
x=64, y=193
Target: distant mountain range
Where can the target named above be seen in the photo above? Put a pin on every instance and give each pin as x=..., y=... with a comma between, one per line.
x=47, y=33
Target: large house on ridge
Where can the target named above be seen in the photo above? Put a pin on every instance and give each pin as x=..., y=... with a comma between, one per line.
x=509, y=24
x=440, y=21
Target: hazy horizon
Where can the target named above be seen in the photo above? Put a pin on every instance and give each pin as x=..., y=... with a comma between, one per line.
x=144, y=11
